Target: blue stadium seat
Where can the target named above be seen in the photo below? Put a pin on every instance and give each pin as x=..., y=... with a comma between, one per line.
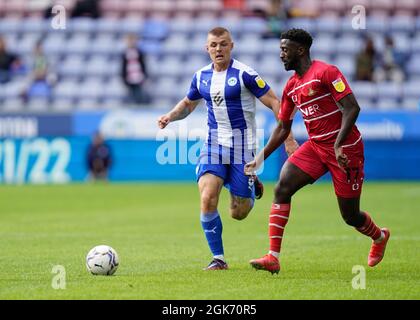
x=389, y=90
x=168, y=88
x=364, y=89
x=402, y=23
x=415, y=43
x=303, y=23
x=411, y=89
x=78, y=43
x=388, y=104
x=175, y=44
x=253, y=25
x=81, y=25
x=411, y=104
x=269, y=66
x=55, y=43
x=324, y=44
x=73, y=65
x=249, y=45
x=377, y=24
x=413, y=65
x=350, y=44
x=153, y=29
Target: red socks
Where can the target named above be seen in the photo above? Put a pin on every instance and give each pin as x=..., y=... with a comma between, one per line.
x=279, y=216
x=370, y=229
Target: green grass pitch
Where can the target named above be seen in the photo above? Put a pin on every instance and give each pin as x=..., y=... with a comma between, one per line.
x=157, y=234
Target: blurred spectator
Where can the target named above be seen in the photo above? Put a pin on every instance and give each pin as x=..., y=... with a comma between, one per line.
x=392, y=63
x=365, y=62
x=234, y=4
x=276, y=18
x=99, y=158
x=41, y=79
x=134, y=71
x=9, y=63
x=86, y=8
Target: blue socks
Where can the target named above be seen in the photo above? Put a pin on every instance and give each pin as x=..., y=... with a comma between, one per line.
x=212, y=226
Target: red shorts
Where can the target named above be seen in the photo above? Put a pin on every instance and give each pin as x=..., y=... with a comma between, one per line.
x=316, y=160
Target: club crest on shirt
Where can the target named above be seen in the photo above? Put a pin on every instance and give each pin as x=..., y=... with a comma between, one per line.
x=260, y=82
x=339, y=85
x=311, y=92
x=232, y=81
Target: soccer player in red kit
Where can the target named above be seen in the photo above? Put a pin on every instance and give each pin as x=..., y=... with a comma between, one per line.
x=321, y=93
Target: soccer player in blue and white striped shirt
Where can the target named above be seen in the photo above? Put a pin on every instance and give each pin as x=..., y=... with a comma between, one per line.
x=229, y=88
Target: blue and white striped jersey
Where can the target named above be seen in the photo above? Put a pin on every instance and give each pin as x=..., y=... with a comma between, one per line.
x=231, y=104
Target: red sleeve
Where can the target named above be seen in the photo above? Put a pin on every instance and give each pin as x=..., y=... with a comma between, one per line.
x=287, y=107
x=336, y=83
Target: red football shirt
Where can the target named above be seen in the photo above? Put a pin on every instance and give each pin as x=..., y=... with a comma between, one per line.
x=315, y=95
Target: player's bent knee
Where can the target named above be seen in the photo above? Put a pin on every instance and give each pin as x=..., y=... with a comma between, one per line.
x=239, y=214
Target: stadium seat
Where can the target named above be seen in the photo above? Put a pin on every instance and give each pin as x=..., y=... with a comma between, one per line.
x=411, y=89
x=153, y=29
x=175, y=44
x=388, y=89
x=170, y=66
x=244, y=46
x=168, y=88
x=66, y=89
x=81, y=25
x=402, y=23
x=377, y=24
x=78, y=43
x=254, y=25
x=413, y=64
x=349, y=44
x=54, y=43
x=323, y=44
x=38, y=105
x=73, y=65
x=415, y=43
x=387, y=104
x=411, y=104
x=115, y=89
x=364, y=89
x=270, y=66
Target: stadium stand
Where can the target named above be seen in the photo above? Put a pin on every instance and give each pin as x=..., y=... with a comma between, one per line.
x=86, y=55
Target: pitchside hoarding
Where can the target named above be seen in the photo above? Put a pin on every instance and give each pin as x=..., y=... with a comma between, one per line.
x=52, y=148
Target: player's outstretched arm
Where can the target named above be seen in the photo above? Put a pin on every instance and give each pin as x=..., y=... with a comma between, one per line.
x=279, y=135
x=350, y=109
x=271, y=101
x=179, y=112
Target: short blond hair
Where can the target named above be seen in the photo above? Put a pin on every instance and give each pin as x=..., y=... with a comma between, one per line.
x=219, y=31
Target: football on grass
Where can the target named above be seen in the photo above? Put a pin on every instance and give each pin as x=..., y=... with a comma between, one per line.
x=102, y=260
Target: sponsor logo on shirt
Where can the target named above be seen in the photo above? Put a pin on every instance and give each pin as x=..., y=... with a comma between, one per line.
x=218, y=99
x=339, y=85
x=260, y=82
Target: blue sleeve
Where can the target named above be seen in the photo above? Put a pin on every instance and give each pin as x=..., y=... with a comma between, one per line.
x=255, y=83
x=193, y=92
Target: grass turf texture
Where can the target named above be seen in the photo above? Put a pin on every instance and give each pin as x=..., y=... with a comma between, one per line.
x=157, y=234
